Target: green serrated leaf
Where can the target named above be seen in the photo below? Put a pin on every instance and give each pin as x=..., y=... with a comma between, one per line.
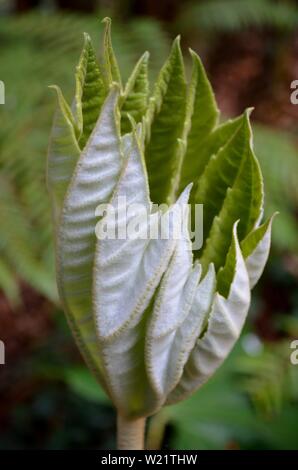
x=111, y=64
x=166, y=121
x=90, y=91
x=135, y=99
x=227, y=273
x=221, y=172
x=251, y=241
x=212, y=145
x=243, y=202
x=201, y=118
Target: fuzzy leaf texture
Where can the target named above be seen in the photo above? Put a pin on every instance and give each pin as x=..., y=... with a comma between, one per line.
x=153, y=318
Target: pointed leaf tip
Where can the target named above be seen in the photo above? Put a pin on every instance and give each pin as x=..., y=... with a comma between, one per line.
x=177, y=40
x=113, y=72
x=165, y=117
x=106, y=20
x=87, y=38
x=184, y=196
x=255, y=249
x=249, y=111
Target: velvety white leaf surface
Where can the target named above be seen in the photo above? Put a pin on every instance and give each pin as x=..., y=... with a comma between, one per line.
x=126, y=275
x=178, y=315
x=152, y=324
x=225, y=322
x=93, y=182
x=119, y=262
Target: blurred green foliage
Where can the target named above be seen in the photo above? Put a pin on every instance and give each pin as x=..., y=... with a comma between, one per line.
x=210, y=16
x=220, y=416
x=278, y=156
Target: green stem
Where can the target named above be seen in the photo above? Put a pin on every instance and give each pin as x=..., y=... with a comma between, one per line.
x=130, y=433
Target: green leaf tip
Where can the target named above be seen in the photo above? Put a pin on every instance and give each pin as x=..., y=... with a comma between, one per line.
x=87, y=38
x=176, y=49
x=107, y=21
x=226, y=273
x=165, y=118
x=135, y=96
x=112, y=68
x=91, y=91
x=63, y=105
x=250, y=242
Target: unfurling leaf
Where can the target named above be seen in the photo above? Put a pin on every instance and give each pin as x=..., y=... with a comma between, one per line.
x=90, y=92
x=135, y=99
x=165, y=120
x=153, y=317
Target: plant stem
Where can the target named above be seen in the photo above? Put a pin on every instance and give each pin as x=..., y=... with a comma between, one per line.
x=130, y=433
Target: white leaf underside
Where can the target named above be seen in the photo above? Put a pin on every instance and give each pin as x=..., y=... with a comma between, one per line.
x=177, y=316
x=126, y=275
x=95, y=176
x=225, y=323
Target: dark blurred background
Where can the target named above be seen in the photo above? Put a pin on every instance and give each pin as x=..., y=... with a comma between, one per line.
x=48, y=398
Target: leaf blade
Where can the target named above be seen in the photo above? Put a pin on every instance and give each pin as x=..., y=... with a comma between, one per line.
x=165, y=121
x=136, y=94
x=111, y=64
x=225, y=322
x=92, y=183
x=201, y=118
x=63, y=153
x=255, y=248
x=230, y=193
x=90, y=91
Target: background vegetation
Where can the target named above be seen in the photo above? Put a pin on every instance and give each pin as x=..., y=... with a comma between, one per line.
x=49, y=399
